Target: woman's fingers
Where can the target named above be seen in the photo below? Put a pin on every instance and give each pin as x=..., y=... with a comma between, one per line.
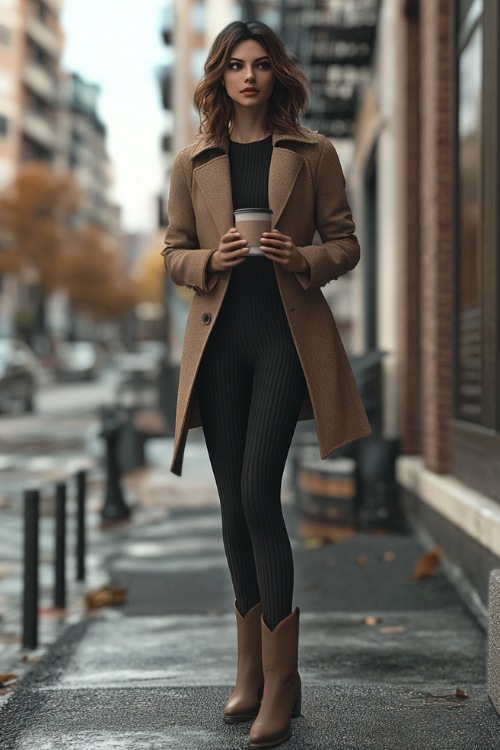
x=276, y=241
x=281, y=249
x=240, y=247
x=232, y=249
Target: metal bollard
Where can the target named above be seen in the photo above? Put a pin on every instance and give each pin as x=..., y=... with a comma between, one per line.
x=30, y=594
x=115, y=507
x=81, y=492
x=60, y=559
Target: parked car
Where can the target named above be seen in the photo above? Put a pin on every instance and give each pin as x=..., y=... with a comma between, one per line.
x=143, y=363
x=18, y=376
x=77, y=360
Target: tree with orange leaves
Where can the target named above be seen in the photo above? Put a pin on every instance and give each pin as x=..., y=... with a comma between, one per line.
x=36, y=216
x=38, y=221
x=93, y=277
x=149, y=275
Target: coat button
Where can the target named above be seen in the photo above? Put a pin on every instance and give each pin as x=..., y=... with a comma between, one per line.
x=206, y=318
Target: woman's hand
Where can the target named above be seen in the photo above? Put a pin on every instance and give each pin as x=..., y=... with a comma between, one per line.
x=231, y=252
x=282, y=250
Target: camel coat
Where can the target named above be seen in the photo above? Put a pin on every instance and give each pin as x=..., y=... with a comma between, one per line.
x=306, y=194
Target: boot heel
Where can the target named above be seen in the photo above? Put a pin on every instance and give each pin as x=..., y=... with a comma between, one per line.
x=297, y=708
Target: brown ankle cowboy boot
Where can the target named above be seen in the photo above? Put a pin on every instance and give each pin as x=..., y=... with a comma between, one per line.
x=244, y=702
x=281, y=699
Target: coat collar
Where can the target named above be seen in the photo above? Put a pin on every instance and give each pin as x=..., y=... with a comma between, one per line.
x=286, y=165
x=207, y=142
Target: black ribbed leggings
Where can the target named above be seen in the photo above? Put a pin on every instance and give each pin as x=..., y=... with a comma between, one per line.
x=250, y=389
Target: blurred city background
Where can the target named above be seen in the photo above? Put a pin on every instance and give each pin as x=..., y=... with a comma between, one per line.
x=409, y=93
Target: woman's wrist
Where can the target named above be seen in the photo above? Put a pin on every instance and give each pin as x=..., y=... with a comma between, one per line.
x=212, y=263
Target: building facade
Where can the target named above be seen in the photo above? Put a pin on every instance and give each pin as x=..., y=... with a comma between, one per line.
x=189, y=28
x=10, y=90
x=31, y=43
x=428, y=161
x=50, y=116
x=81, y=150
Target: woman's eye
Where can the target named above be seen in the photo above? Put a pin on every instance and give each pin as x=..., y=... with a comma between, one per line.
x=234, y=66
x=264, y=65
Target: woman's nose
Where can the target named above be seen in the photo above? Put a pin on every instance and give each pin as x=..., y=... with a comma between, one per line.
x=249, y=75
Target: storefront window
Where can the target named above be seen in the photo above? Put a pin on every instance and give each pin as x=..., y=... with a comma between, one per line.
x=469, y=323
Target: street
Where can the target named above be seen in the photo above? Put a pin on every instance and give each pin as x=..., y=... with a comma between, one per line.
x=381, y=657
x=63, y=398
x=64, y=424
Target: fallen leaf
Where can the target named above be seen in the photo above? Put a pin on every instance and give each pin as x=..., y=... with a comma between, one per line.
x=361, y=561
x=389, y=556
x=307, y=529
x=315, y=543
x=392, y=629
x=31, y=658
x=370, y=620
x=106, y=596
x=7, y=679
x=427, y=565
x=450, y=699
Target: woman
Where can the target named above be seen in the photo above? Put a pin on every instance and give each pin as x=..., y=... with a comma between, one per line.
x=261, y=348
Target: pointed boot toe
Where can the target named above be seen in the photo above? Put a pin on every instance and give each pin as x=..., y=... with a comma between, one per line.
x=244, y=702
x=281, y=700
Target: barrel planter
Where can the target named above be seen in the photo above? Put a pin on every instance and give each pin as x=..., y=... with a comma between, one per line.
x=304, y=448
x=326, y=491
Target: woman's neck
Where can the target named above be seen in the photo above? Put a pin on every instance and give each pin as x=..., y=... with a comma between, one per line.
x=246, y=128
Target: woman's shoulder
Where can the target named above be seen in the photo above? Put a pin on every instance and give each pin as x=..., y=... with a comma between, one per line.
x=202, y=142
x=309, y=137
x=186, y=153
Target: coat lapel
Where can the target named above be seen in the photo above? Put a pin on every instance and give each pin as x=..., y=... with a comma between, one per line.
x=214, y=181
x=285, y=169
x=214, y=177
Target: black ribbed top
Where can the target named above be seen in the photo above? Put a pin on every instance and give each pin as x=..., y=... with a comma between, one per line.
x=250, y=164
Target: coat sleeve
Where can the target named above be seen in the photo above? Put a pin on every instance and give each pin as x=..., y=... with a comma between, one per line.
x=185, y=261
x=339, y=251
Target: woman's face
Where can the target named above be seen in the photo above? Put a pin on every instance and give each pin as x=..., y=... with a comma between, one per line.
x=248, y=78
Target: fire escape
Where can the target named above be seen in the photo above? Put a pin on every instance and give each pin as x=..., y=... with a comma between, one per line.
x=334, y=40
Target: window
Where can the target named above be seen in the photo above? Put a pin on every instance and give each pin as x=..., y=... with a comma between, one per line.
x=5, y=35
x=475, y=429
x=4, y=126
x=199, y=18
x=469, y=292
x=41, y=11
x=196, y=62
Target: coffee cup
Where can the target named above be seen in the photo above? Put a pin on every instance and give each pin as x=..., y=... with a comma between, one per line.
x=251, y=223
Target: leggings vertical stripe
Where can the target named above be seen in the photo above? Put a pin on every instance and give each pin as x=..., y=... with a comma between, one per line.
x=250, y=389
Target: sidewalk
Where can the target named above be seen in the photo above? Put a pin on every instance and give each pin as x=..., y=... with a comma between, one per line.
x=156, y=672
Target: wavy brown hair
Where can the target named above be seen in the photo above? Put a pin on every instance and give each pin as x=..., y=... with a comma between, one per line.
x=289, y=98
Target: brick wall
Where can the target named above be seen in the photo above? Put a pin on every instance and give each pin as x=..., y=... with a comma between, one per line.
x=408, y=216
x=435, y=231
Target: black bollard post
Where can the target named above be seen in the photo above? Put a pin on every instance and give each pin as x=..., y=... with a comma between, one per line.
x=114, y=508
x=81, y=492
x=60, y=560
x=30, y=594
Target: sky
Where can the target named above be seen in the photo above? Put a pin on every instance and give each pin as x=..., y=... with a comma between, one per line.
x=118, y=45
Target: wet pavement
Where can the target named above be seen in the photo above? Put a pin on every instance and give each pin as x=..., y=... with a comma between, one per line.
x=156, y=672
